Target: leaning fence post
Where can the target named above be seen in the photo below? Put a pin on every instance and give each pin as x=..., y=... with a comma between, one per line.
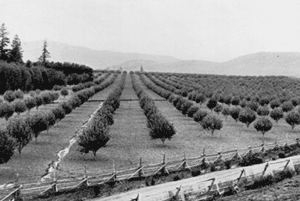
x=265, y=169
x=286, y=165
x=140, y=167
x=240, y=177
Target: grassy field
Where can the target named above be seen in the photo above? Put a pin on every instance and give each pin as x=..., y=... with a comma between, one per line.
x=36, y=156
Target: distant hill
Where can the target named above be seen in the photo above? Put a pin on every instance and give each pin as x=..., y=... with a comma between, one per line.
x=93, y=58
x=261, y=63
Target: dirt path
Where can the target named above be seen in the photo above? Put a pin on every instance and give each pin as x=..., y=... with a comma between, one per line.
x=37, y=156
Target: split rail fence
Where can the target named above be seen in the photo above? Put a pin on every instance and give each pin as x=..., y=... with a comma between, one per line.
x=143, y=170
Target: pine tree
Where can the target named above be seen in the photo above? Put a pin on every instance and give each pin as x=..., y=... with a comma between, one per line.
x=45, y=54
x=16, y=53
x=4, y=41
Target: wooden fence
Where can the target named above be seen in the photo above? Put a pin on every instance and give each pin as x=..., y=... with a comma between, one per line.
x=143, y=170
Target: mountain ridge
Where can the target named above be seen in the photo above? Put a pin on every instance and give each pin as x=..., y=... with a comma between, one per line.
x=259, y=63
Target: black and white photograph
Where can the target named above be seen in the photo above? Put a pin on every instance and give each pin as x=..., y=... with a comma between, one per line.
x=149, y=100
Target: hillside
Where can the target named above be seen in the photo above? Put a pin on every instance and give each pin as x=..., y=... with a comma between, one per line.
x=82, y=55
x=261, y=63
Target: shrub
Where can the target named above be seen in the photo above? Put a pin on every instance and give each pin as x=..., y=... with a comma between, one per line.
x=9, y=96
x=293, y=118
x=199, y=115
x=19, y=129
x=276, y=114
x=211, y=123
x=247, y=116
x=7, y=146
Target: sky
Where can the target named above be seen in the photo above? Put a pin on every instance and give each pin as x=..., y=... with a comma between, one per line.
x=212, y=30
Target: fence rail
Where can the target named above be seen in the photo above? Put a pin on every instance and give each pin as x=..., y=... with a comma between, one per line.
x=142, y=170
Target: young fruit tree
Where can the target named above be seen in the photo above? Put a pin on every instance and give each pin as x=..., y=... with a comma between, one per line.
x=263, y=111
x=218, y=109
x=9, y=96
x=287, y=106
x=211, y=123
x=19, y=129
x=263, y=125
x=192, y=110
x=247, y=116
x=30, y=103
x=226, y=112
x=235, y=112
x=161, y=128
x=37, y=123
x=94, y=137
x=276, y=114
x=7, y=146
x=212, y=103
x=199, y=115
x=19, y=106
x=293, y=118
x=64, y=92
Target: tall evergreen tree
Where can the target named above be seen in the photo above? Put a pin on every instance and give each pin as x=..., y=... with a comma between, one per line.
x=45, y=54
x=16, y=53
x=4, y=41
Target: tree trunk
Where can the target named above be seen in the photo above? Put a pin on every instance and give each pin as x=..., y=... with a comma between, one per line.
x=94, y=152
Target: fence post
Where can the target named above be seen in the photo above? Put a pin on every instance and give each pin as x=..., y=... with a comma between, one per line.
x=141, y=170
x=240, y=177
x=263, y=148
x=163, y=170
x=286, y=165
x=265, y=169
x=85, y=171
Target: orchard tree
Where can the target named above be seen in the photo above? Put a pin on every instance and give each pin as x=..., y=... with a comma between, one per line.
x=199, y=115
x=212, y=103
x=20, y=130
x=211, y=123
x=235, y=100
x=275, y=103
x=9, y=96
x=6, y=110
x=185, y=106
x=226, y=112
x=19, y=106
x=19, y=94
x=30, y=103
x=276, y=114
x=263, y=111
x=287, y=106
x=200, y=98
x=263, y=125
x=4, y=41
x=7, y=146
x=252, y=105
x=37, y=123
x=161, y=129
x=94, y=137
x=293, y=118
x=51, y=120
x=235, y=112
x=38, y=101
x=247, y=116
x=218, y=109
x=192, y=110
x=64, y=92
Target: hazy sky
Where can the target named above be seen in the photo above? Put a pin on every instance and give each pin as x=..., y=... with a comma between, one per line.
x=214, y=30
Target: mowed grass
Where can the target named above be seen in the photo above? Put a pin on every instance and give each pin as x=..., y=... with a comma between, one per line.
x=31, y=165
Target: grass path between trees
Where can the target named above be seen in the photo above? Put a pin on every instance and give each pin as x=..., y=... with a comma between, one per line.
x=36, y=156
